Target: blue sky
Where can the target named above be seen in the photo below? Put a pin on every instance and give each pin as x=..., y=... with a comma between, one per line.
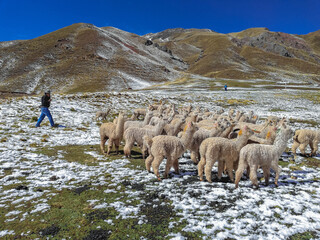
x=27, y=19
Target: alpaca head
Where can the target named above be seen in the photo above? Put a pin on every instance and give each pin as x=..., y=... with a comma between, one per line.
x=245, y=131
x=286, y=131
x=191, y=127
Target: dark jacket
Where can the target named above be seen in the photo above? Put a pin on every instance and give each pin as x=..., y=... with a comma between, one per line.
x=45, y=101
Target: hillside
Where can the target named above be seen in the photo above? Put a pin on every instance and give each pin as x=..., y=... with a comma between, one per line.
x=85, y=58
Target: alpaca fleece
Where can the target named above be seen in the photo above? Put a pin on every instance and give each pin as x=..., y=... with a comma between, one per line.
x=169, y=147
x=305, y=137
x=265, y=156
x=113, y=132
x=225, y=151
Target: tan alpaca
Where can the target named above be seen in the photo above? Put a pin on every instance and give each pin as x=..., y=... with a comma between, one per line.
x=199, y=136
x=265, y=156
x=305, y=137
x=139, y=124
x=135, y=135
x=173, y=129
x=169, y=147
x=113, y=132
x=269, y=138
x=225, y=151
x=193, y=118
x=102, y=115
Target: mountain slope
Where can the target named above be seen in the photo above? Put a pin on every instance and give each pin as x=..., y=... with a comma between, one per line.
x=82, y=57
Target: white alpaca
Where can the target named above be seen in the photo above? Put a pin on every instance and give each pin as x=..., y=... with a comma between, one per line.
x=140, y=124
x=265, y=156
x=135, y=135
x=169, y=147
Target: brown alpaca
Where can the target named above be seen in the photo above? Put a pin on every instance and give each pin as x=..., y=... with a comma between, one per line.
x=265, y=156
x=113, y=132
x=225, y=151
x=303, y=137
x=169, y=147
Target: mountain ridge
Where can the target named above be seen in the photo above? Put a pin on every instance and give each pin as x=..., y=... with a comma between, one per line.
x=85, y=58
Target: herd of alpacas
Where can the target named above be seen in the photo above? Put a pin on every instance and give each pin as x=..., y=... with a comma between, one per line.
x=234, y=140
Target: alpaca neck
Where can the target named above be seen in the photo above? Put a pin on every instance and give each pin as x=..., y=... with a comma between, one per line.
x=176, y=127
x=159, y=128
x=214, y=132
x=147, y=119
x=281, y=144
x=186, y=139
x=241, y=141
x=120, y=127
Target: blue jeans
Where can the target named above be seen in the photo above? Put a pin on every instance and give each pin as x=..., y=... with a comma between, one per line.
x=45, y=112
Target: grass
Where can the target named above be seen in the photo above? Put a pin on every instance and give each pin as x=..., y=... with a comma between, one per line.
x=305, y=121
x=276, y=110
x=304, y=236
x=234, y=102
x=72, y=153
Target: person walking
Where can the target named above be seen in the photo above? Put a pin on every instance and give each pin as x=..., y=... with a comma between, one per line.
x=45, y=104
x=226, y=87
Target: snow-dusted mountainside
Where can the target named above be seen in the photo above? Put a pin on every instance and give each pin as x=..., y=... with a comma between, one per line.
x=85, y=58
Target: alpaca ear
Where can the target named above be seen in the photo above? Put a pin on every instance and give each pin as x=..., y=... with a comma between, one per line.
x=268, y=134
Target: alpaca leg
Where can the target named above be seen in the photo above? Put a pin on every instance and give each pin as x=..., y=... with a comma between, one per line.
x=155, y=166
x=208, y=169
x=253, y=175
x=127, y=148
x=294, y=147
x=248, y=171
x=302, y=148
x=167, y=168
x=176, y=166
x=314, y=148
x=117, y=144
x=266, y=174
x=201, y=167
x=277, y=169
x=102, y=144
x=229, y=166
x=239, y=173
x=148, y=162
x=221, y=165
x=110, y=145
x=194, y=157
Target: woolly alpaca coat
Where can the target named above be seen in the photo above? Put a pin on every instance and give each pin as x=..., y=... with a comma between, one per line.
x=265, y=156
x=135, y=135
x=169, y=147
x=113, y=132
x=303, y=137
x=225, y=151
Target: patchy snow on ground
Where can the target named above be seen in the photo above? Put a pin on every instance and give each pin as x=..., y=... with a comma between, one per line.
x=217, y=209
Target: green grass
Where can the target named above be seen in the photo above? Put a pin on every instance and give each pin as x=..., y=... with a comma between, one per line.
x=305, y=121
x=304, y=236
x=276, y=110
x=71, y=153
